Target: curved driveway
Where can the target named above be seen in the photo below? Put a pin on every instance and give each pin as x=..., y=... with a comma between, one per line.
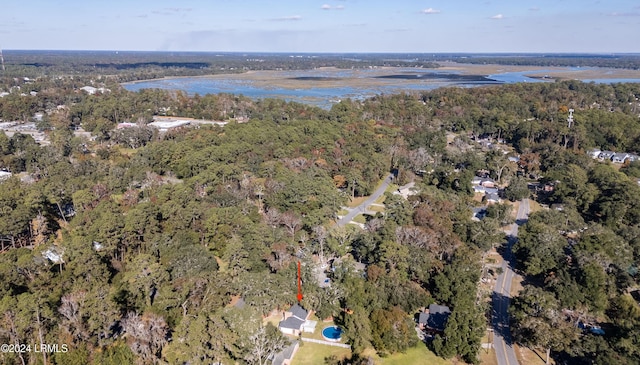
x=502, y=342
x=370, y=200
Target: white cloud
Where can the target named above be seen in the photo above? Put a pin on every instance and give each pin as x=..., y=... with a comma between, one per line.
x=430, y=11
x=329, y=7
x=178, y=10
x=287, y=18
x=624, y=14
x=498, y=16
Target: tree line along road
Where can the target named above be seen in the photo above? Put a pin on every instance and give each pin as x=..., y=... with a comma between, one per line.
x=502, y=341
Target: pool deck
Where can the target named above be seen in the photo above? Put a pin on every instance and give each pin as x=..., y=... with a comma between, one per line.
x=329, y=343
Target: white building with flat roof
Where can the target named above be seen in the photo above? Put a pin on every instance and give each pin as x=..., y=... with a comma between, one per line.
x=4, y=175
x=164, y=126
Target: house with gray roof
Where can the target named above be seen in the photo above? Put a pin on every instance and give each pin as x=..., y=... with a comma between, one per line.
x=606, y=155
x=619, y=157
x=296, y=320
x=491, y=190
x=478, y=189
x=594, y=153
x=492, y=198
x=285, y=356
x=434, y=319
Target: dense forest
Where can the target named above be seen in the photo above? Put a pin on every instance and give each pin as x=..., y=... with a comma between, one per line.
x=628, y=61
x=131, y=246
x=124, y=66
x=129, y=65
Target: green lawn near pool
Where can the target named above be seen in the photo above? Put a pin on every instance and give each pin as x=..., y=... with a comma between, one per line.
x=314, y=353
x=419, y=354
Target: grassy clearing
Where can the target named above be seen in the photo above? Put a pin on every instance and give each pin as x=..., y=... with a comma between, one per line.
x=360, y=219
x=516, y=285
x=487, y=356
x=528, y=356
x=534, y=206
x=273, y=319
x=375, y=208
x=357, y=201
x=314, y=353
x=381, y=199
x=343, y=212
x=415, y=355
x=391, y=188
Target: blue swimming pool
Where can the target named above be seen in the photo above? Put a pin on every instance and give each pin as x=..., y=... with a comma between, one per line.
x=332, y=333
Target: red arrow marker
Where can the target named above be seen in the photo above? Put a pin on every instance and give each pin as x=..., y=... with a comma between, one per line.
x=299, y=284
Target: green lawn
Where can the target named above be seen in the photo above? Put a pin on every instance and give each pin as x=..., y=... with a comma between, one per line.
x=375, y=208
x=314, y=354
x=360, y=219
x=391, y=188
x=356, y=201
x=415, y=355
x=343, y=212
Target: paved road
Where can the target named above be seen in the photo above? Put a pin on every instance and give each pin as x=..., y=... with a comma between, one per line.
x=370, y=200
x=501, y=296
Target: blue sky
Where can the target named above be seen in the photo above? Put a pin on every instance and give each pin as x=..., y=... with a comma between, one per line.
x=602, y=26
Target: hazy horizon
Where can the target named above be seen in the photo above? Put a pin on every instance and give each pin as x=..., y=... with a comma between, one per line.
x=514, y=54
x=325, y=26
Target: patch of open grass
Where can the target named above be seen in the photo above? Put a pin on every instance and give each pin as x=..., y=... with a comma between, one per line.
x=381, y=199
x=273, y=319
x=343, y=212
x=391, y=188
x=419, y=354
x=356, y=201
x=488, y=356
x=360, y=219
x=314, y=353
x=531, y=357
x=375, y=208
x=534, y=206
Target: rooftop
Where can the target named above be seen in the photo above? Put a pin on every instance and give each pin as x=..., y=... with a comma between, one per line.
x=166, y=125
x=438, y=316
x=292, y=322
x=299, y=312
x=286, y=354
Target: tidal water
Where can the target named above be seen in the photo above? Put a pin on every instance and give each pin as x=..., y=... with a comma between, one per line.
x=318, y=87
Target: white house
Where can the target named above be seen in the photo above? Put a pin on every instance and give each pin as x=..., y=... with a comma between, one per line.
x=89, y=89
x=619, y=157
x=594, y=153
x=93, y=90
x=296, y=320
x=167, y=125
x=606, y=155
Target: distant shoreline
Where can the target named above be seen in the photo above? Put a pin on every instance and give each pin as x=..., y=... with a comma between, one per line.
x=551, y=73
